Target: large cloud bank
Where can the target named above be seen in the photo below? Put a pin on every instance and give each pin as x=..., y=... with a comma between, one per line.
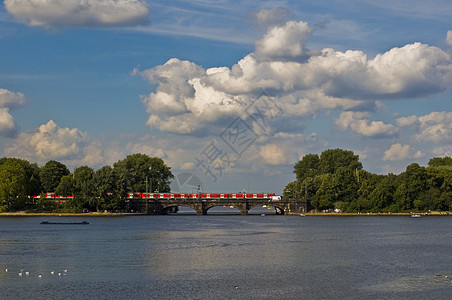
x=188, y=98
x=86, y=13
x=8, y=101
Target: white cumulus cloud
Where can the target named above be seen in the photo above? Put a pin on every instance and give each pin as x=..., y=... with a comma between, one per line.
x=273, y=154
x=435, y=127
x=400, y=152
x=8, y=101
x=52, y=142
x=284, y=42
x=74, y=13
x=357, y=121
x=449, y=38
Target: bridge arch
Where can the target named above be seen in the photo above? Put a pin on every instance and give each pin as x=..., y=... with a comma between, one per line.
x=277, y=208
x=228, y=209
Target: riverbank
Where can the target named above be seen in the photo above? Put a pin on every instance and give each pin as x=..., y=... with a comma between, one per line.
x=108, y=214
x=433, y=213
x=90, y=214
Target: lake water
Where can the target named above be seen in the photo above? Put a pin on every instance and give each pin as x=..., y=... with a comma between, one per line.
x=226, y=257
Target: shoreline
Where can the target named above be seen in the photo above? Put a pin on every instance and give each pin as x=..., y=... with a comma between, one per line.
x=103, y=214
x=91, y=214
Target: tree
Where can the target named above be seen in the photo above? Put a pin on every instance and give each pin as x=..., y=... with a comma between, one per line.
x=383, y=194
x=327, y=193
x=440, y=161
x=413, y=183
x=13, y=184
x=66, y=186
x=51, y=174
x=138, y=171
x=83, y=177
x=33, y=183
x=347, y=184
x=333, y=159
x=292, y=190
x=104, y=183
x=308, y=166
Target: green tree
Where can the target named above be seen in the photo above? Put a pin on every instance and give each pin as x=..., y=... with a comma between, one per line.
x=440, y=161
x=83, y=183
x=138, y=171
x=104, y=182
x=66, y=186
x=13, y=184
x=84, y=196
x=291, y=190
x=327, y=193
x=51, y=174
x=347, y=184
x=383, y=194
x=33, y=183
x=308, y=166
x=415, y=179
x=332, y=159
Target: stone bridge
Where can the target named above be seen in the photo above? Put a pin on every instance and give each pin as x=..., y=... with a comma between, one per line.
x=201, y=206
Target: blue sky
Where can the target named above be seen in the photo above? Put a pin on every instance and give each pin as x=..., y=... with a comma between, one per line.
x=232, y=92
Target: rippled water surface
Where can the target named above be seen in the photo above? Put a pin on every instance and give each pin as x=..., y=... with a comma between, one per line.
x=226, y=257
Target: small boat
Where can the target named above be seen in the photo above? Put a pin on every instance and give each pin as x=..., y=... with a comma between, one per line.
x=415, y=216
x=64, y=223
x=301, y=215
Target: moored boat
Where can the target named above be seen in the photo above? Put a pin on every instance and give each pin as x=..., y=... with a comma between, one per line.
x=64, y=223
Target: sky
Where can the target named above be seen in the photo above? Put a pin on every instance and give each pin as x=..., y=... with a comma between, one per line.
x=230, y=94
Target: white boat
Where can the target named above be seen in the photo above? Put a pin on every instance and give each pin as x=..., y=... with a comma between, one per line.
x=415, y=216
x=301, y=215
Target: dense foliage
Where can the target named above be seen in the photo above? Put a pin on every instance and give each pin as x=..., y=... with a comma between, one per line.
x=104, y=189
x=335, y=180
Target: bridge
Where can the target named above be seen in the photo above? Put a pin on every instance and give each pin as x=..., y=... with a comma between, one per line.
x=202, y=205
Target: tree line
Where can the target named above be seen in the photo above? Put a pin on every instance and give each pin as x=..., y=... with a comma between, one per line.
x=335, y=180
x=103, y=189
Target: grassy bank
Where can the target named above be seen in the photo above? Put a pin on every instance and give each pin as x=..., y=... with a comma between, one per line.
x=433, y=213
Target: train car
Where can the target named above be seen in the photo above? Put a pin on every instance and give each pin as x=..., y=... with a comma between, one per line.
x=236, y=196
x=218, y=195
x=190, y=195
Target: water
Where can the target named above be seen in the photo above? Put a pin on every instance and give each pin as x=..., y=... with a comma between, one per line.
x=226, y=257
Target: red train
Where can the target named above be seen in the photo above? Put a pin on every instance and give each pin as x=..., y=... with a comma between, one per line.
x=203, y=196
x=53, y=196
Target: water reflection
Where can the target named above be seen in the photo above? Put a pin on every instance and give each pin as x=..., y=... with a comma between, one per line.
x=199, y=257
